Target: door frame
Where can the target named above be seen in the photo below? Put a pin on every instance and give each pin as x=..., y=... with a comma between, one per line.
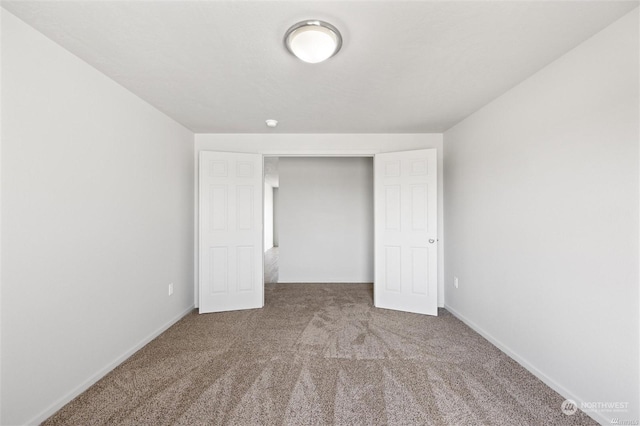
x=319, y=153
x=316, y=156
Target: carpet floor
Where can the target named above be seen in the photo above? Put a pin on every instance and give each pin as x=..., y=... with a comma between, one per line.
x=318, y=354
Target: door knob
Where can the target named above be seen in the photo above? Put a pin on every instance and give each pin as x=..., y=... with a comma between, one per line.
x=431, y=241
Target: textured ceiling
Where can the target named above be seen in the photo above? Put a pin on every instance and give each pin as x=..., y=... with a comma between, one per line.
x=405, y=67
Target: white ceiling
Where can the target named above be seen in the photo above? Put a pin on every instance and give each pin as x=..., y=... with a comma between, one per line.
x=405, y=67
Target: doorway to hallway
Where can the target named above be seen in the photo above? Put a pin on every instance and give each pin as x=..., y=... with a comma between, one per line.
x=231, y=224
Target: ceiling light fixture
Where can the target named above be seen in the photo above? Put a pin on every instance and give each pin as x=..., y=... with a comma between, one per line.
x=271, y=123
x=313, y=41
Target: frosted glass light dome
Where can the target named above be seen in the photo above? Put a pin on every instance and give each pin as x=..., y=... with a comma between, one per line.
x=313, y=41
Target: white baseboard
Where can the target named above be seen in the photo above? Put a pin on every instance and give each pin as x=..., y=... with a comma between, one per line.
x=103, y=372
x=322, y=282
x=597, y=416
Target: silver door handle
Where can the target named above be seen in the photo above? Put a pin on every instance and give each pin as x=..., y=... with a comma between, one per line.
x=431, y=241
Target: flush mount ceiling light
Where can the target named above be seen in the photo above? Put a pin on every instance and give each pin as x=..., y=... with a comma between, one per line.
x=313, y=41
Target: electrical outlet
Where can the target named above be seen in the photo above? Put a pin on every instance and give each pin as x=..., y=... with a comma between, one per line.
x=170, y=289
x=455, y=282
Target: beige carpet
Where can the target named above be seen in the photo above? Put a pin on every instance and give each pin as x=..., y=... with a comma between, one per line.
x=318, y=354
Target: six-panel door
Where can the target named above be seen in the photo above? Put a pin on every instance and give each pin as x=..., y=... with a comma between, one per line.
x=406, y=231
x=230, y=231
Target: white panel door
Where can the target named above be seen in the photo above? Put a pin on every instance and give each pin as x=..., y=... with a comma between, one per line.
x=406, y=277
x=230, y=234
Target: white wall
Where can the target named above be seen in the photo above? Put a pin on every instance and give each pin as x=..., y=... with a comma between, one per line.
x=97, y=199
x=268, y=216
x=326, y=219
x=328, y=145
x=1, y=133
x=276, y=239
x=541, y=198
